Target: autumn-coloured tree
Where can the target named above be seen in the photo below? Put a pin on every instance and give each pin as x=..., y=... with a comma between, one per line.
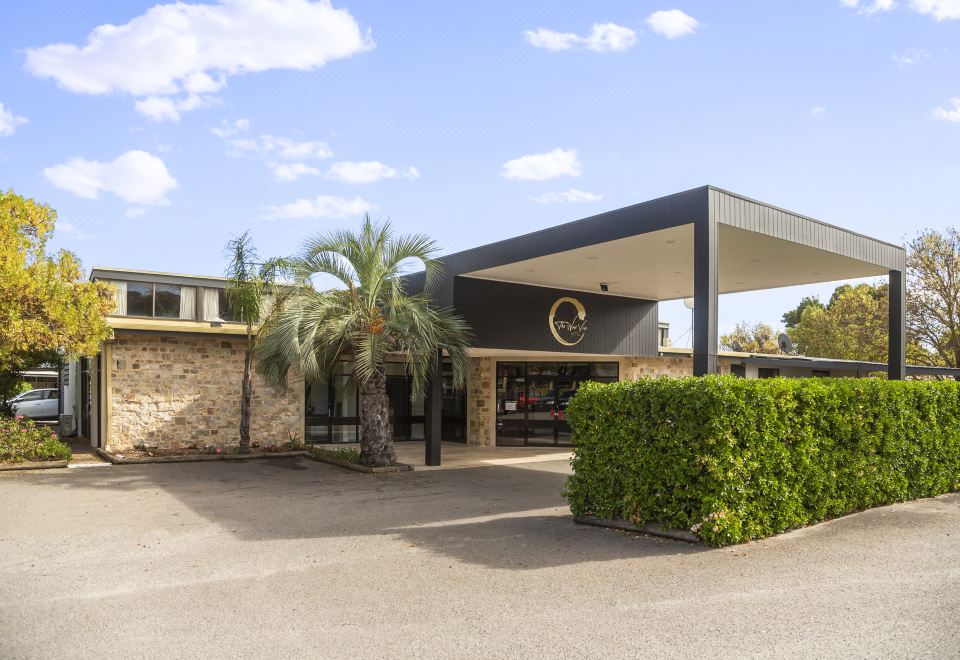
x=46, y=305
x=933, y=294
x=751, y=338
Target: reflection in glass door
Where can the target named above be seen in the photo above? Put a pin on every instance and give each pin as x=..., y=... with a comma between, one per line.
x=532, y=399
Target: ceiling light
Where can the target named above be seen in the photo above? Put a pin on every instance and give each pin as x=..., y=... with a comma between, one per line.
x=591, y=258
x=670, y=241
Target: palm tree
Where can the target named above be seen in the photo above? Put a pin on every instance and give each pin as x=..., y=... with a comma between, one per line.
x=252, y=283
x=367, y=317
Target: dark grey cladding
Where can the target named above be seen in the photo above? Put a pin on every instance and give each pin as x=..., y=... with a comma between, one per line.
x=517, y=317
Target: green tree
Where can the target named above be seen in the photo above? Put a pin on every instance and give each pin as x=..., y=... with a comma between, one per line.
x=751, y=338
x=252, y=288
x=792, y=318
x=366, y=318
x=46, y=306
x=933, y=295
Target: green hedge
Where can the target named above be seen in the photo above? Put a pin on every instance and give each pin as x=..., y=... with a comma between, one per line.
x=736, y=459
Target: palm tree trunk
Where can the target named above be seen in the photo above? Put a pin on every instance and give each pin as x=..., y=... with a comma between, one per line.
x=245, y=402
x=376, y=444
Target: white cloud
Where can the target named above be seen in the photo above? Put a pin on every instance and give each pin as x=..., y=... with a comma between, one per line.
x=941, y=10
x=321, y=206
x=135, y=212
x=672, y=23
x=135, y=176
x=869, y=8
x=72, y=230
x=602, y=37
x=368, y=172
x=948, y=113
x=281, y=147
x=569, y=196
x=9, y=121
x=174, y=56
x=292, y=171
x=818, y=110
x=910, y=57
x=544, y=38
x=228, y=129
x=540, y=167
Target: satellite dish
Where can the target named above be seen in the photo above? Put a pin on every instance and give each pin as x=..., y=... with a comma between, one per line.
x=688, y=303
x=785, y=343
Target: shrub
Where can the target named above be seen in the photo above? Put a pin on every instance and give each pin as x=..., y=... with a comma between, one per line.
x=735, y=459
x=347, y=455
x=25, y=440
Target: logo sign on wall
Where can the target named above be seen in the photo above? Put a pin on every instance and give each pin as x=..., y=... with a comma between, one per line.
x=568, y=321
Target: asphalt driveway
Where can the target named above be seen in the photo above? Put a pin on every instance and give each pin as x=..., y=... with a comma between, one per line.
x=295, y=558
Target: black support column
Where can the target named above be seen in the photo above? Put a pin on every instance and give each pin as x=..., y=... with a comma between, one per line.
x=705, y=255
x=897, y=348
x=434, y=418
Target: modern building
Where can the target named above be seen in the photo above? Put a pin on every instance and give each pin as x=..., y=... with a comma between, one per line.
x=549, y=310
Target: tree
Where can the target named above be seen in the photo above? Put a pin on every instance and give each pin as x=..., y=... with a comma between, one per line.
x=252, y=282
x=367, y=318
x=851, y=326
x=46, y=306
x=792, y=318
x=933, y=294
x=751, y=338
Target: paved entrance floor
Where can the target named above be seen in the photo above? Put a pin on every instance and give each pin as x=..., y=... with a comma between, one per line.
x=293, y=558
x=457, y=455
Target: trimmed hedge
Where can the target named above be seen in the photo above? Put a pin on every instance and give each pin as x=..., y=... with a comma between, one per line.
x=735, y=459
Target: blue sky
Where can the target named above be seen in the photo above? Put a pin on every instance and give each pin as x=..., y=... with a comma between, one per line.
x=158, y=139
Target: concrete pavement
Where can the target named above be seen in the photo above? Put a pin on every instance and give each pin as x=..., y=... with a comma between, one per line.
x=289, y=557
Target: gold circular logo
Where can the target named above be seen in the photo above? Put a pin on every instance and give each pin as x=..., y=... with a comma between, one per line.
x=569, y=331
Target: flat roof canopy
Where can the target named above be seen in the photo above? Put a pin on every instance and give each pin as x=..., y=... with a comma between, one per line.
x=647, y=250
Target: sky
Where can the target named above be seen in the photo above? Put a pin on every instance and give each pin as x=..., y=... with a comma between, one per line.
x=158, y=131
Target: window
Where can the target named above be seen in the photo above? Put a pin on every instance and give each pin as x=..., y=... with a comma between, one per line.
x=226, y=314
x=820, y=373
x=53, y=394
x=767, y=372
x=139, y=299
x=167, y=301
x=738, y=370
x=31, y=396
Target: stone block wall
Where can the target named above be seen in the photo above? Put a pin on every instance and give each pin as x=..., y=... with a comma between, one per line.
x=674, y=367
x=481, y=402
x=174, y=390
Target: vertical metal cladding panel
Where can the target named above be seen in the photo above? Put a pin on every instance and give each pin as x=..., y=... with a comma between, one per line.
x=751, y=215
x=517, y=317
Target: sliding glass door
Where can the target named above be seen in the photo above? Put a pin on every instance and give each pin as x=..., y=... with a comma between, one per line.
x=532, y=399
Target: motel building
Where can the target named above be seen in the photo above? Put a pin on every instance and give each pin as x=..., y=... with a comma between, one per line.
x=550, y=310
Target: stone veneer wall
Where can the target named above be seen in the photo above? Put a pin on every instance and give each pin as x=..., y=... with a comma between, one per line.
x=481, y=402
x=674, y=367
x=172, y=390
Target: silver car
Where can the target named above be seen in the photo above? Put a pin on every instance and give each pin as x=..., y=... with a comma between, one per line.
x=37, y=404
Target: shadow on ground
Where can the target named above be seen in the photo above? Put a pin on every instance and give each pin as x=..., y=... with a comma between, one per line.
x=499, y=516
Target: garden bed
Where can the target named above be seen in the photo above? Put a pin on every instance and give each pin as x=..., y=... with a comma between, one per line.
x=26, y=445
x=350, y=459
x=140, y=457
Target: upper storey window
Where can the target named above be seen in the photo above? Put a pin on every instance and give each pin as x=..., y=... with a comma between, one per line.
x=151, y=300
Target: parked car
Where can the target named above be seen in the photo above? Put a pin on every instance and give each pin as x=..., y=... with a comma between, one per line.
x=37, y=404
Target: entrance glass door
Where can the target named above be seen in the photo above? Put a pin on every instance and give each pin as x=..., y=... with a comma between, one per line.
x=532, y=399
